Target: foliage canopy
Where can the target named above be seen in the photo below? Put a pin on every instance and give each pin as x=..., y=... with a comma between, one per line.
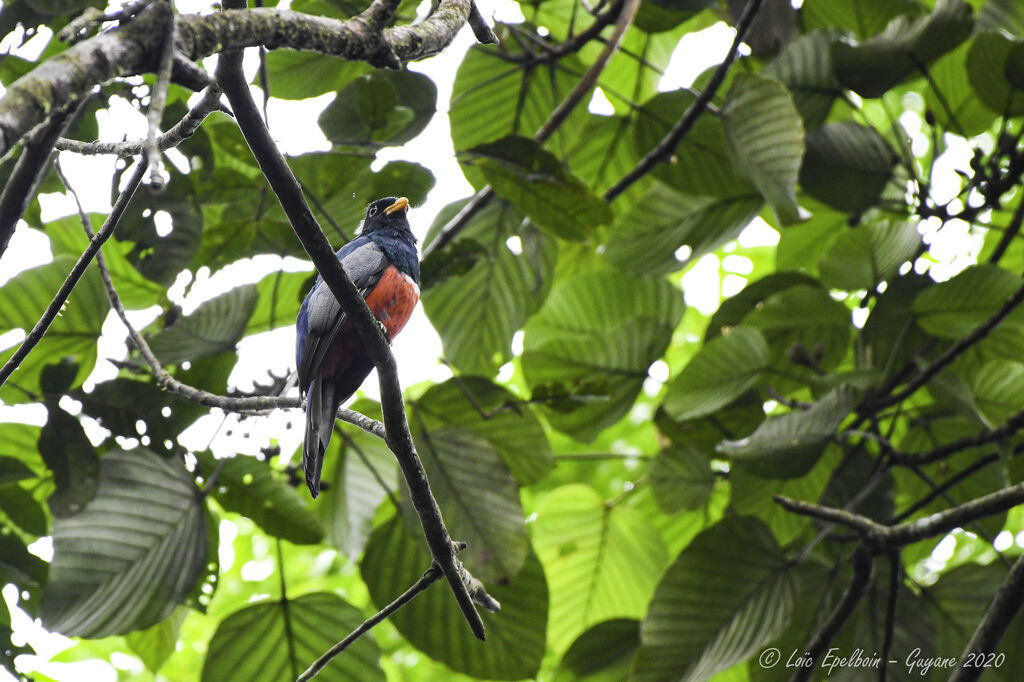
x=652, y=491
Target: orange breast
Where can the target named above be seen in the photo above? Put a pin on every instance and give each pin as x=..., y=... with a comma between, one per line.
x=393, y=300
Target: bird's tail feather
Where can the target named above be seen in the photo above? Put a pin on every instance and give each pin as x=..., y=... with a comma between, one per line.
x=321, y=406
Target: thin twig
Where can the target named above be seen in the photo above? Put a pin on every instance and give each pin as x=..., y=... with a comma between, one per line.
x=181, y=131
x=51, y=312
x=895, y=571
x=944, y=487
x=431, y=576
x=1011, y=232
x=668, y=144
x=158, y=100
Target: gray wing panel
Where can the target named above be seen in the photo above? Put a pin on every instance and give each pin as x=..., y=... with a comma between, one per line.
x=364, y=266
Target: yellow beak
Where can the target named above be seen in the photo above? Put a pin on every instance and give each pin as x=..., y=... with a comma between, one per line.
x=401, y=204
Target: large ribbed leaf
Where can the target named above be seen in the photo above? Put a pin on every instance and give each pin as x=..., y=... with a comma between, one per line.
x=787, y=445
x=1002, y=15
x=953, y=308
x=766, y=138
x=359, y=470
x=728, y=593
x=601, y=654
x=872, y=253
x=278, y=639
x=952, y=99
x=126, y=560
x=280, y=295
x=600, y=562
x=433, y=622
x=534, y=181
x=68, y=453
x=605, y=328
x=959, y=600
x=493, y=97
x=805, y=66
x=722, y=370
x=476, y=308
x=847, y=165
x=495, y=414
x=873, y=67
x=864, y=17
x=681, y=478
x=72, y=334
x=701, y=164
x=214, y=326
x=248, y=486
x=645, y=240
x=479, y=500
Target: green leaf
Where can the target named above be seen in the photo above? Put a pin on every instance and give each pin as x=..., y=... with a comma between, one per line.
x=72, y=334
x=788, y=445
x=533, y=181
x=647, y=238
x=298, y=75
x=959, y=600
x=987, y=63
x=278, y=639
x=125, y=561
x=13, y=470
x=604, y=153
x=479, y=305
x=873, y=67
x=247, y=486
x=496, y=415
x=280, y=295
x=847, y=165
x=728, y=594
x=382, y=108
x=17, y=564
x=805, y=66
x=603, y=653
x=766, y=138
x=433, y=622
x=701, y=165
x=954, y=308
x=951, y=98
x=868, y=254
x=215, y=326
x=1002, y=15
x=24, y=510
x=723, y=369
x=360, y=470
x=681, y=478
x=603, y=327
x=155, y=644
x=494, y=97
x=72, y=459
x=601, y=562
x=479, y=500
x=864, y=17
x=891, y=335
x=998, y=389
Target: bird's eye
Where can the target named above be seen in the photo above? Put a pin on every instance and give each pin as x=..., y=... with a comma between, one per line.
x=373, y=210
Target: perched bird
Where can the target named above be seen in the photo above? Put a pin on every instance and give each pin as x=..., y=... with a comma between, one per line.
x=331, y=360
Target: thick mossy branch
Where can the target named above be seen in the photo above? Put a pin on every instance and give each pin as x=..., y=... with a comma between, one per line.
x=135, y=48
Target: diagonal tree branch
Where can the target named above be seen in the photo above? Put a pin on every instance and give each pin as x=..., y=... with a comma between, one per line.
x=398, y=437
x=1005, y=605
x=158, y=98
x=664, y=150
